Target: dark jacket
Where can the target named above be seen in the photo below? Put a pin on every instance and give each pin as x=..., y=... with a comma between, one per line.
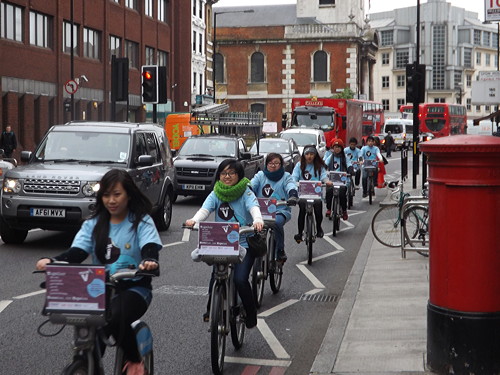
x=389, y=140
x=8, y=141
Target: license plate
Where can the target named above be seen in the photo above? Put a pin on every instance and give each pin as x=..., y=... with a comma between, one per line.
x=193, y=187
x=48, y=212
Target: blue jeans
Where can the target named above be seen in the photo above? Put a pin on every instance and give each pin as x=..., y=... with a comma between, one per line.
x=365, y=180
x=279, y=232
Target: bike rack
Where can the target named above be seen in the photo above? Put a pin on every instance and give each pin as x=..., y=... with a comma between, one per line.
x=412, y=201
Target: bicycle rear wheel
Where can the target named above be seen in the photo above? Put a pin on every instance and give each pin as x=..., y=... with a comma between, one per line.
x=386, y=226
x=237, y=322
x=79, y=366
x=350, y=194
x=218, y=330
x=258, y=280
x=371, y=189
x=276, y=272
x=309, y=238
x=334, y=215
x=416, y=227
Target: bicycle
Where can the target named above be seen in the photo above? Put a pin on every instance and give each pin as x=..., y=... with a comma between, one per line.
x=389, y=222
x=339, y=179
x=227, y=314
x=351, y=188
x=370, y=166
x=268, y=265
x=89, y=335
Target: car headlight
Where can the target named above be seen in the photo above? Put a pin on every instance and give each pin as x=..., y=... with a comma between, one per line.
x=11, y=185
x=91, y=188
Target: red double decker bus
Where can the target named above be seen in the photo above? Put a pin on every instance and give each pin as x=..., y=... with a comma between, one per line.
x=373, y=117
x=443, y=119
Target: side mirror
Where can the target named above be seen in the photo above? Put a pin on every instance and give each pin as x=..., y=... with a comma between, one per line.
x=144, y=161
x=25, y=156
x=322, y=144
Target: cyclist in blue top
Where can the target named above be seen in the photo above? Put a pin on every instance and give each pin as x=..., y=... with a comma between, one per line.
x=274, y=182
x=310, y=168
x=120, y=234
x=370, y=152
x=352, y=154
x=232, y=200
x=337, y=162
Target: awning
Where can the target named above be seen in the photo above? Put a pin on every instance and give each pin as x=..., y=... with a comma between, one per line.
x=493, y=115
x=211, y=109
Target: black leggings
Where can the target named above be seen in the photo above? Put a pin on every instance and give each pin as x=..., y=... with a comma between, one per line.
x=318, y=213
x=126, y=308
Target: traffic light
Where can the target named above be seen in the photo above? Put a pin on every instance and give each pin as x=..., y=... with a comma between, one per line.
x=149, y=79
x=415, y=83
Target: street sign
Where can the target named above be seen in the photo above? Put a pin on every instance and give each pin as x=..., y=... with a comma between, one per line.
x=492, y=10
x=71, y=87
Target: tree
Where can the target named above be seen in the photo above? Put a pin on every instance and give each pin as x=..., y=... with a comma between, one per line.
x=346, y=94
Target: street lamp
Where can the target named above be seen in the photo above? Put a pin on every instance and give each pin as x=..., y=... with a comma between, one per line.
x=215, y=40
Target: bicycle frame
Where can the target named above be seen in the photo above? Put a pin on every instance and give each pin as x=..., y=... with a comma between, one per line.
x=224, y=277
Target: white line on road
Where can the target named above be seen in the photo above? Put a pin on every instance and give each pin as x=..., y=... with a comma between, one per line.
x=30, y=294
x=313, y=291
x=173, y=243
x=277, y=308
x=186, y=234
x=4, y=304
x=257, y=362
x=271, y=340
x=310, y=276
x=332, y=242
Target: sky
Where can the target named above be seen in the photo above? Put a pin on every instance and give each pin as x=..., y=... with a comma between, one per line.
x=375, y=5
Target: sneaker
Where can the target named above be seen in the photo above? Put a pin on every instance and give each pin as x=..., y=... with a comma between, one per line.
x=328, y=213
x=298, y=237
x=282, y=256
x=319, y=233
x=365, y=195
x=134, y=368
x=206, y=317
x=251, y=320
x=344, y=215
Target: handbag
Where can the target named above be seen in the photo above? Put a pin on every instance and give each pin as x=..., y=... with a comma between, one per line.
x=385, y=160
x=257, y=246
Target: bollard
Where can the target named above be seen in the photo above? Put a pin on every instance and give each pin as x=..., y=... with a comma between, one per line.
x=463, y=312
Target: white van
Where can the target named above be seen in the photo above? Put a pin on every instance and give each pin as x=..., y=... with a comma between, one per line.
x=401, y=130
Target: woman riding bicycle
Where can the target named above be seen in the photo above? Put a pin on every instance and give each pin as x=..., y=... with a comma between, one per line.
x=352, y=153
x=310, y=168
x=369, y=152
x=274, y=182
x=234, y=201
x=337, y=162
x=120, y=234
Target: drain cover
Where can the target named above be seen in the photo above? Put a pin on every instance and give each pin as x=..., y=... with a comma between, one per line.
x=318, y=297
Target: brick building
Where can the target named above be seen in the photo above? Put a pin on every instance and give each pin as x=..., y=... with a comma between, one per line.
x=36, y=59
x=265, y=58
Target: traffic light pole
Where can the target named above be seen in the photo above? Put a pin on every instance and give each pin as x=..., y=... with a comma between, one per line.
x=416, y=123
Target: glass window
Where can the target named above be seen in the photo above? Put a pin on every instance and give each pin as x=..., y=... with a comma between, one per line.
x=200, y=44
x=11, y=22
x=67, y=37
x=494, y=40
x=194, y=41
x=148, y=8
x=402, y=58
x=326, y=2
x=40, y=30
x=477, y=37
x=487, y=59
x=257, y=67
x=468, y=57
x=162, y=10
x=438, y=57
x=320, y=66
x=385, y=58
x=153, y=149
x=115, y=46
x=385, y=82
x=468, y=80
x=478, y=58
x=150, y=56
x=91, y=44
x=200, y=10
x=401, y=81
x=219, y=68
x=162, y=58
x=132, y=52
x=258, y=107
x=400, y=102
x=486, y=38
x=132, y=4
x=386, y=37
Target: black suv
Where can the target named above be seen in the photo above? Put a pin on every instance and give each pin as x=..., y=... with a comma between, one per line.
x=56, y=189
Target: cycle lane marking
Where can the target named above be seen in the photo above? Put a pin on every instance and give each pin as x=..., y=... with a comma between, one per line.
x=29, y=294
x=277, y=308
x=278, y=349
x=258, y=362
x=4, y=304
x=313, y=279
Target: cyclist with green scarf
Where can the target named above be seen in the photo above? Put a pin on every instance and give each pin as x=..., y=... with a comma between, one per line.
x=232, y=200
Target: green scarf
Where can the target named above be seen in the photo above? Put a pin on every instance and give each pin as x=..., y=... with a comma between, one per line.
x=230, y=193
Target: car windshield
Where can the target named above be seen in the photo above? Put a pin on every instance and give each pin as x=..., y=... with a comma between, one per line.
x=84, y=147
x=315, y=121
x=271, y=146
x=302, y=139
x=208, y=147
x=394, y=128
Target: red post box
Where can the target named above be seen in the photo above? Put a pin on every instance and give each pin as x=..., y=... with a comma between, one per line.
x=463, y=312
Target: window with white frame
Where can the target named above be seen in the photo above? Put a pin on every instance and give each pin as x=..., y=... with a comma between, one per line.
x=487, y=59
x=326, y=2
x=478, y=108
x=385, y=104
x=132, y=4
x=115, y=43
x=486, y=38
x=320, y=66
x=148, y=8
x=67, y=37
x=385, y=82
x=162, y=58
x=438, y=56
x=150, y=55
x=468, y=104
x=40, y=30
x=200, y=10
x=468, y=57
x=387, y=38
x=132, y=52
x=487, y=108
x=11, y=24
x=194, y=41
x=478, y=58
x=163, y=10
x=91, y=43
x=402, y=58
x=468, y=80
x=385, y=58
x=200, y=43
x=401, y=81
x=257, y=67
x=477, y=37
x=400, y=102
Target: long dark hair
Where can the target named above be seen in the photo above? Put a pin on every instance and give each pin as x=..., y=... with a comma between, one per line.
x=232, y=164
x=138, y=204
x=318, y=162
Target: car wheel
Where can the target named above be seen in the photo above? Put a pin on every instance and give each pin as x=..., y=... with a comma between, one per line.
x=174, y=197
x=10, y=235
x=164, y=213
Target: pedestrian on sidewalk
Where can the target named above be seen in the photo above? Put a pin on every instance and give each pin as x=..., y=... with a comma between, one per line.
x=389, y=143
x=8, y=141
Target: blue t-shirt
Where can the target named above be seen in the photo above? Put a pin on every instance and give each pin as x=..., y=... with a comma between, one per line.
x=266, y=188
x=352, y=155
x=337, y=160
x=309, y=174
x=370, y=153
x=235, y=211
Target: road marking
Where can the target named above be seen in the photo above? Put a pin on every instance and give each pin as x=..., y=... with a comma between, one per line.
x=251, y=370
x=186, y=234
x=257, y=361
x=30, y=294
x=179, y=290
x=314, y=291
x=4, y=304
x=278, y=350
x=332, y=242
x=277, y=308
x=173, y=244
x=310, y=276
x=354, y=213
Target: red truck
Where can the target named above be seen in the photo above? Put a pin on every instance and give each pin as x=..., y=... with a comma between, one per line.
x=338, y=118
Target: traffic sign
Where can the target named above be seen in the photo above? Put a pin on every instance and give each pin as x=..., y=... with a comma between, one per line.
x=71, y=87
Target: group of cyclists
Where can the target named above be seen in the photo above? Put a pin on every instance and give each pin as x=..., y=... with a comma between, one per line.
x=122, y=233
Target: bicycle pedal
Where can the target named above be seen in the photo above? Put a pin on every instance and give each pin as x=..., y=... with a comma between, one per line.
x=260, y=275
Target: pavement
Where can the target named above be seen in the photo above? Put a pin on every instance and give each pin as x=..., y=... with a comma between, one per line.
x=380, y=323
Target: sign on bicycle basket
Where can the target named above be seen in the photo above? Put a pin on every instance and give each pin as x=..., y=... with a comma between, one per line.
x=75, y=288
x=267, y=208
x=218, y=239
x=310, y=189
x=338, y=178
x=370, y=163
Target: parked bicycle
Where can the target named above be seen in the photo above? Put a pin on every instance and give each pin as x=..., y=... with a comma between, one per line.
x=89, y=319
x=390, y=221
x=269, y=266
x=227, y=314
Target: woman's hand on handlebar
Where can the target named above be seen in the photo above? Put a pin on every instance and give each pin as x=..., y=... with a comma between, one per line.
x=40, y=265
x=148, y=265
x=329, y=183
x=258, y=226
x=189, y=223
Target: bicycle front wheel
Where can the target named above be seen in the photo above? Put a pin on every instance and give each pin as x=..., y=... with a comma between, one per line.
x=416, y=227
x=237, y=321
x=79, y=366
x=258, y=280
x=334, y=216
x=309, y=239
x=276, y=272
x=218, y=330
x=386, y=226
x=371, y=190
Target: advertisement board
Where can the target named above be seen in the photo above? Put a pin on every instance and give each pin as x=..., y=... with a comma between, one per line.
x=492, y=10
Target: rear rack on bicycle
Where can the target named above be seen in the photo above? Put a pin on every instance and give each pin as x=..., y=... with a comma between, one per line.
x=413, y=244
